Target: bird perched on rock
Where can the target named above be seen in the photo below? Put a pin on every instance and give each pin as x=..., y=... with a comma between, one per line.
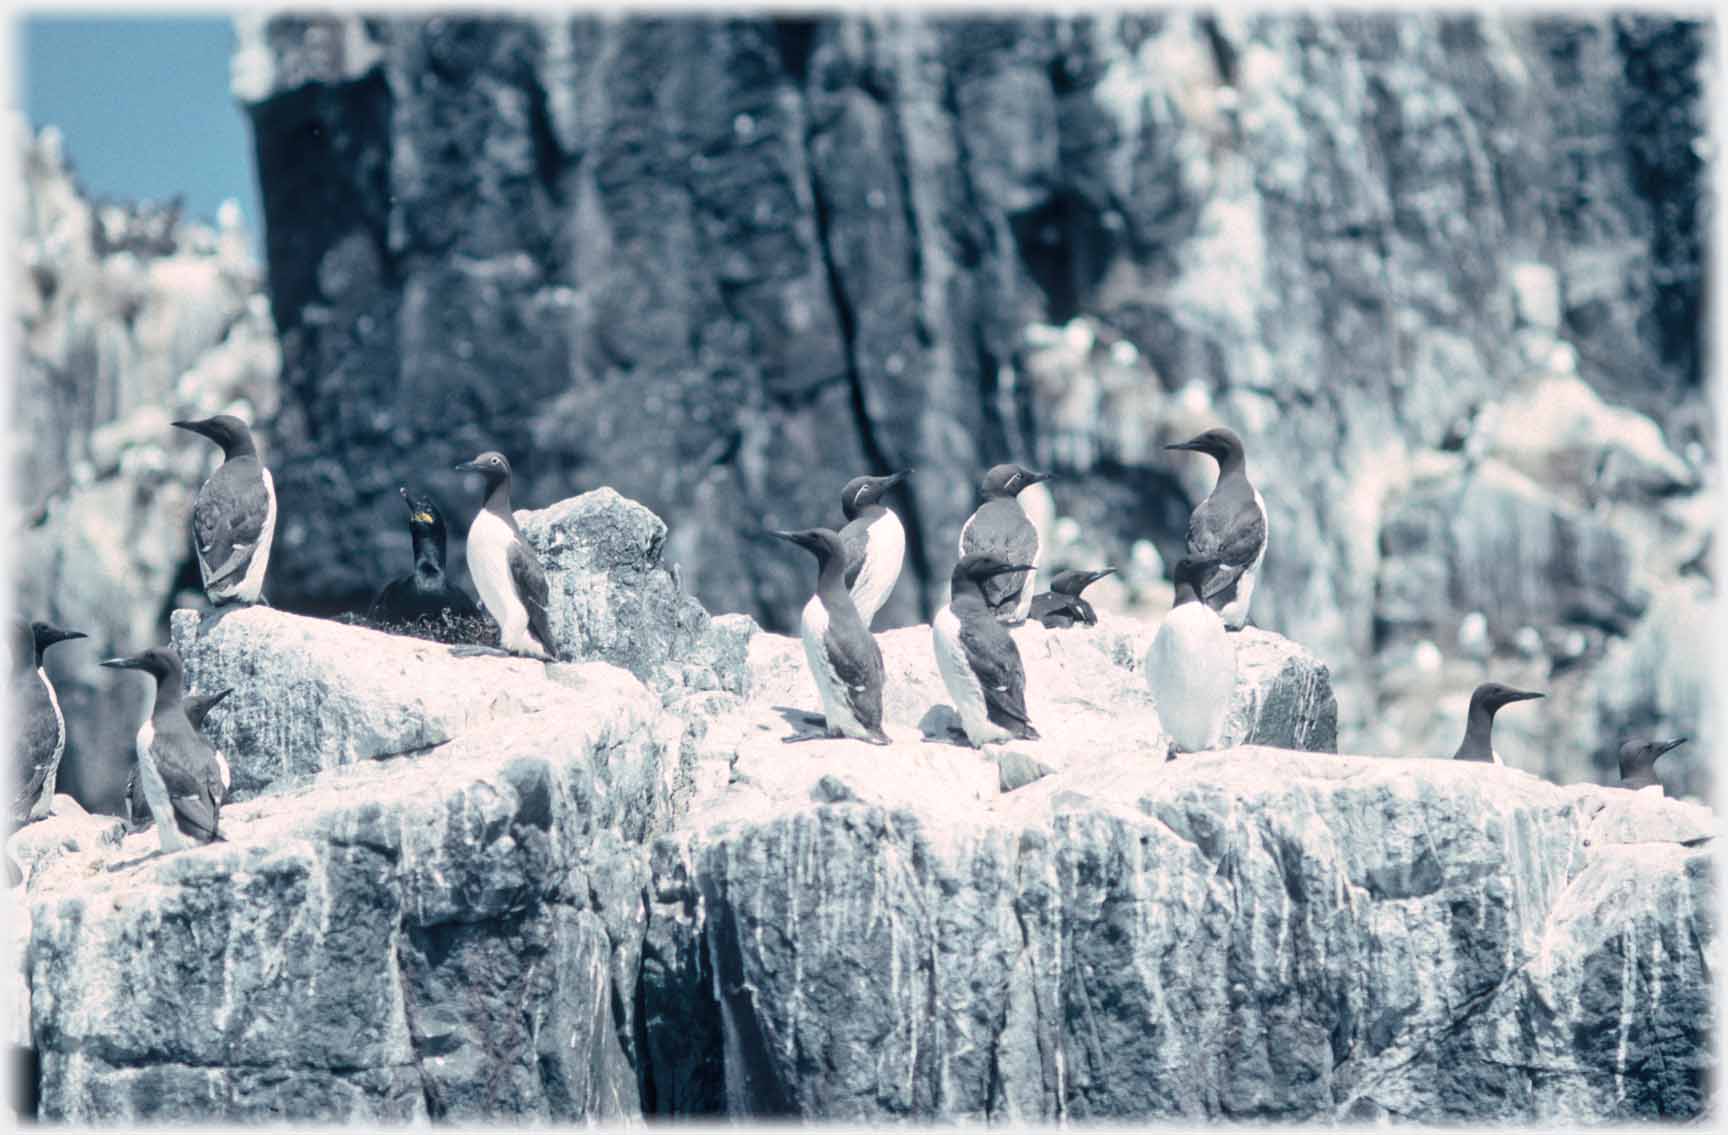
x=1638, y=763
x=979, y=662
x=182, y=776
x=844, y=659
x=875, y=542
x=234, y=517
x=1191, y=665
x=1228, y=529
x=504, y=566
x=1478, y=742
x=1001, y=529
x=40, y=727
x=424, y=594
x=1062, y=606
x=198, y=707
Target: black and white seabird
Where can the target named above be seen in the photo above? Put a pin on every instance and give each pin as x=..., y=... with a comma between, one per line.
x=1001, y=529
x=979, y=662
x=875, y=542
x=505, y=569
x=234, y=517
x=41, y=727
x=1638, y=762
x=198, y=707
x=844, y=659
x=425, y=594
x=1228, y=529
x=1191, y=666
x=181, y=774
x=1478, y=743
x=1061, y=606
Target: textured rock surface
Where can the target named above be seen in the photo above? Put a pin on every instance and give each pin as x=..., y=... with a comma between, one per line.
x=128, y=319
x=483, y=888
x=725, y=264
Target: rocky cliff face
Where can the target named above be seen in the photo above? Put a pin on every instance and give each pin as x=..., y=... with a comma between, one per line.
x=129, y=317
x=1441, y=271
x=477, y=888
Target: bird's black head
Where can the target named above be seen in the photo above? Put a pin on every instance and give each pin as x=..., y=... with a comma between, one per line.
x=492, y=465
x=31, y=640
x=971, y=572
x=862, y=492
x=1220, y=444
x=227, y=431
x=1492, y=695
x=823, y=543
x=1074, y=581
x=160, y=662
x=1007, y=481
x=424, y=519
x=198, y=706
x=1188, y=576
x=1640, y=756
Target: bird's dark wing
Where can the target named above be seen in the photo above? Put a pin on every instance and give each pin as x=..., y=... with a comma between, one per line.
x=530, y=579
x=36, y=747
x=457, y=602
x=193, y=781
x=137, y=810
x=996, y=661
x=391, y=600
x=1229, y=535
x=855, y=539
x=1054, y=609
x=858, y=665
x=1002, y=529
x=228, y=519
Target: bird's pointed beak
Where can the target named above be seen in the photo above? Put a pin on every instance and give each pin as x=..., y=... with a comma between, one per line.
x=68, y=636
x=1004, y=569
x=199, y=428
x=1665, y=746
x=466, y=467
x=1524, y=695
x=1098, y=575
x=1183, y=445
x=123, y=663
x=1038, y=478
x=789, y=537
x=893, y=479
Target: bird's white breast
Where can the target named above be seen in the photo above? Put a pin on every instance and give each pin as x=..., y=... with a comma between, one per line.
x=962, y=682
x=252, y=585
x=156, y=789
x=489, y=541
x=884, y=554
x=1191, y=668
x=45, y=800
x=813, y=629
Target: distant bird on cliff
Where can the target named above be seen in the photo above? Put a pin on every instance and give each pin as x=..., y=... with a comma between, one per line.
x=979, y=662
x=875, y=542
x=183, y=778
x=198, y=707
x=845, y=661
x=40, y=727
x=1191, y=665
x=505, y=568
x=234, y=517
x=1061, y=606
x=1227, y=530
x=1478, y=742
x=1001, y=529
x=1638, y=763
x=424, y=594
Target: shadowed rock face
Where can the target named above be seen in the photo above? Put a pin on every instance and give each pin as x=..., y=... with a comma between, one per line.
x=484, y=888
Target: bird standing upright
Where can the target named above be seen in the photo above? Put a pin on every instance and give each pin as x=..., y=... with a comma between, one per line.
x=1227, y=530
x=1485, y=702
x=505, y=568
x=425, y=594
x=1000, y=528
x=41, y=727
x=180, y=773
x=875, y=542
x=845, y=661
x=1638, y=762
x=198, y=707
x=1062, y=606
x=234, y=517
x=979, y=662
x=1191, y=665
